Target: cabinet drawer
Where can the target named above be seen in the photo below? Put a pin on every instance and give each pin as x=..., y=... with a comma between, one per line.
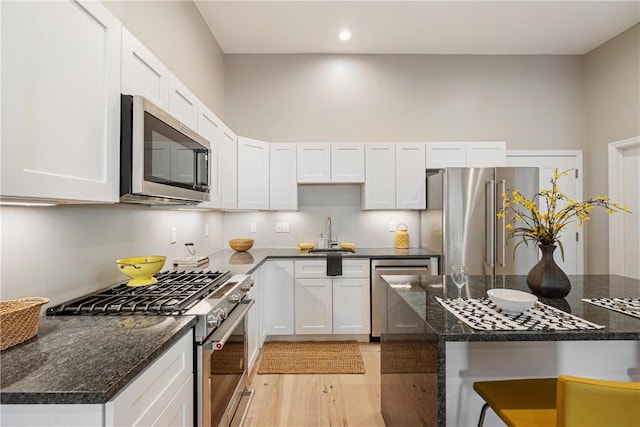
x=318, y=268
x=311, y=269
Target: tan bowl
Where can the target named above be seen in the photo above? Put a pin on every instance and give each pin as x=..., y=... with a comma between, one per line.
x=305, y=246
x=241, y=245
x=141, y=269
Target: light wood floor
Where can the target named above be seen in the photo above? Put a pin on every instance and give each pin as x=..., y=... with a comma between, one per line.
x=319, y=400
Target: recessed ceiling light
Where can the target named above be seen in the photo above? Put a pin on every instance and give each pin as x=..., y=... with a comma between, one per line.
x=344, y=35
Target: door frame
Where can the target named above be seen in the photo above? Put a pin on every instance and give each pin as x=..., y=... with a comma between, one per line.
x=577, y=154
x=616, y=180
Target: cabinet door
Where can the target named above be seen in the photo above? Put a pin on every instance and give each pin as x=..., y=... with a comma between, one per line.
x=410, y=176
x=142, y=73
x=179, y=412
x=61, y=101
x=253, y=324
x=210, y=128
x=277, y=295
x=183, y=104
x=380, y=173
x=351, y=306
x=486, y=154
x=283, y=186
x=253, y=174
x=155, y=388
x=347, y=163
x=314, y=163
x=313, y=306
x=228, y=176
x=440, y=155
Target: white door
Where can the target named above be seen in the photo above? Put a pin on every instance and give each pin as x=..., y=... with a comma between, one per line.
x=283, y=185
x=347, y=163
x=314, y=163
x=380, y=177
x=410, y=176
x=277, y=298
x=624, y=229
x=228, y=169
x=351, y=306
x=572, y=238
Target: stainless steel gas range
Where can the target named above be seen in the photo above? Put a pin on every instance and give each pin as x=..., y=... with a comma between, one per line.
x=218, y=300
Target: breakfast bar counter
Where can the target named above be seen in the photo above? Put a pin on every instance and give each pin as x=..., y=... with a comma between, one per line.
x=430, y=357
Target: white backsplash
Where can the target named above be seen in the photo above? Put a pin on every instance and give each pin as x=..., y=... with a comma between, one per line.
x=63, y=252
x=316, y=203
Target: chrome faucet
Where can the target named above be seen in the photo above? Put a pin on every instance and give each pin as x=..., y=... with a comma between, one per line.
x=330, y=242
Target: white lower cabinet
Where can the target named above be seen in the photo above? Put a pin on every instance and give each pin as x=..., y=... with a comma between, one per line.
x=277, y=298
x=254, y=341
x=313, y=306
x=332, y=305
x=162, y=395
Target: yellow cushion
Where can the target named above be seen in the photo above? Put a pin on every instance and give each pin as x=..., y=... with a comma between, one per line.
x=526, y=402
x=584, y=402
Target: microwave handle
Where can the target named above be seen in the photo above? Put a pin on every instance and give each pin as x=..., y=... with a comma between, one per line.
x=219, y=338
x=202, y=169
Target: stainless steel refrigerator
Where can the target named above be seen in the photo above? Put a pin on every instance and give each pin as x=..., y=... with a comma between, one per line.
x=461, y=218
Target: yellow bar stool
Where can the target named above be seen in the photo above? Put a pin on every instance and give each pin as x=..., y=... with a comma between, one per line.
x=565, y=401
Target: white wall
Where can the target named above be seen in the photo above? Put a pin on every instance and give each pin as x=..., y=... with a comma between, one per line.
x=63, y=252
x=532, y=102
x=612, y=86
x=368, y=229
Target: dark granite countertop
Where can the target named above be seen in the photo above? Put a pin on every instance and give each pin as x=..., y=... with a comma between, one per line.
x=247, y=262
x=85, y=359
x=420, y=296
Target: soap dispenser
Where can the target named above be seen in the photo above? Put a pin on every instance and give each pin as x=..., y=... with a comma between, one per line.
x=322, y=242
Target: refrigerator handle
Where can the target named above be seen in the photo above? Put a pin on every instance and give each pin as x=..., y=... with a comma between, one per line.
x=503, y=233
x=489, y=223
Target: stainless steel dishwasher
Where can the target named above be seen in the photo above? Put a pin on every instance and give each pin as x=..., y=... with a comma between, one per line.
x=394, y=266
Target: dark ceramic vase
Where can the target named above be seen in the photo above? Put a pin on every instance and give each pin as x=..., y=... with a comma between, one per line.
x=546, y=279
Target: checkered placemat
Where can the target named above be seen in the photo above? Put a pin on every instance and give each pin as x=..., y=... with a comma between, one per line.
x=630, y=306
x=483, y=314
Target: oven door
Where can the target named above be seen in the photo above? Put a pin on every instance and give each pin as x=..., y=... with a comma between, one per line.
x=223, y=377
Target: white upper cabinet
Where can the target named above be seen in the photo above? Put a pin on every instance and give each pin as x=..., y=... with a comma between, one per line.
x=61, y=101
x=253, y=174
x=486, y=153
x=410, y=176
x=228, y=169
x=347, y=163
x=395, y=176
x=283, y=188
x=340, y=163
x=380, y=171
x=314, y=163
x=183, y=104
x=440, y=155
x=210, y=128
x=142, y=73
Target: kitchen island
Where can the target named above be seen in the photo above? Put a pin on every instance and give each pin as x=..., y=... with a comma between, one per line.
x=430, y=359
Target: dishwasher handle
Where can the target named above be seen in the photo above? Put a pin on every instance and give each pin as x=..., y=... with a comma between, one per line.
x=406, y=270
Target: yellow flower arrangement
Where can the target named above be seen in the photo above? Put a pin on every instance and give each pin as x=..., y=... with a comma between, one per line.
x=532, y=224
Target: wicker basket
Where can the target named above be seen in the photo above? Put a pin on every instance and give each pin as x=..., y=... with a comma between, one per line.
x=19, y=320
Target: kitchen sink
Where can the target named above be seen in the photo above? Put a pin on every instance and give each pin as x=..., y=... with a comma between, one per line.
x=332, y=250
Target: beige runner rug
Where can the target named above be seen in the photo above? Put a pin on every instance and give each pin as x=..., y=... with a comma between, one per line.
x=311, y=358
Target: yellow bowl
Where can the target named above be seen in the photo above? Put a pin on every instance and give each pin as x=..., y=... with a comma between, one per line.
x=306, y=246
x=347, y=245
x=241, y=245
x=141, y=269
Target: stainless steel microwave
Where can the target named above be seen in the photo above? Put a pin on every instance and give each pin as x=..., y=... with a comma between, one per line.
x=162, y=161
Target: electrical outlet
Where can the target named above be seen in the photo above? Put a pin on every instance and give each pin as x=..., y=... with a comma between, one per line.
x=282, y=227
x=206, y=230
x=174, y=235
x=253, y=227
x=392, y=226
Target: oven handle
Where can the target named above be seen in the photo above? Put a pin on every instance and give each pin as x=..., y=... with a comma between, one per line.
x=222, y=334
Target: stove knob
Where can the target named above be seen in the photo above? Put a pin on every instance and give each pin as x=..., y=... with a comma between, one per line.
x=213, y=320
x=246, y=285
x=224, y=312
x=234, y=298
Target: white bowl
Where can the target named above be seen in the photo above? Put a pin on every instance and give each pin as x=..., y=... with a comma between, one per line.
x=512, y=301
